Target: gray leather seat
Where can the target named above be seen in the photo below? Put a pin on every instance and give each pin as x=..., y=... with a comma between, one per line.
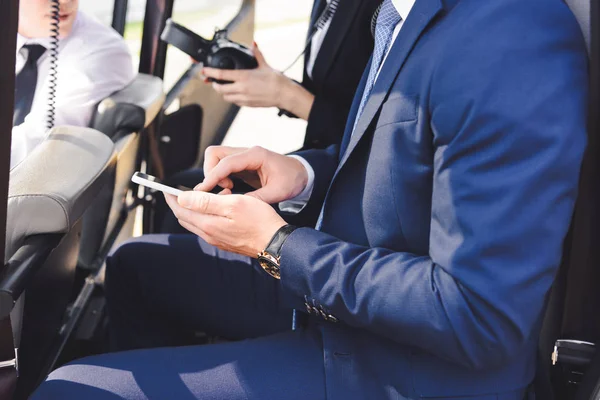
x=122, y=117
x=48, y=194
x=50, y=190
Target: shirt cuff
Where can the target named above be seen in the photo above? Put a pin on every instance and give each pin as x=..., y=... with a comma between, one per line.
x=297, y=204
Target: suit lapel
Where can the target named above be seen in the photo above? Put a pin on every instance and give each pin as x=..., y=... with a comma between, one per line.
x=419, y=17
x=340, y=25
x=354, y=109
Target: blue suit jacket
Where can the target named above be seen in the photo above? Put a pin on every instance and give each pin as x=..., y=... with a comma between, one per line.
x=445, y=214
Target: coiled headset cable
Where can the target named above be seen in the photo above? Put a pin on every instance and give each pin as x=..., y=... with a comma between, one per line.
x=374, y=20
x=326, y=15
x=53, y=58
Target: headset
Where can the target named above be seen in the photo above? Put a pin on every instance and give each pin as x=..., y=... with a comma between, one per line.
x=326, y=15
x=53, y=57
x=220, y=52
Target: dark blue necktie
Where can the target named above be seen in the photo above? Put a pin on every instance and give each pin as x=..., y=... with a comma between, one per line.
x=26, y=81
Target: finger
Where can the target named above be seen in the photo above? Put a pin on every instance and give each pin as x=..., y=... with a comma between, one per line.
x=227, y=89
x=225, y=192
x=240, y=100
x=202, y=203
x=193, y=229
x=226, y=183
x=244, y=161
x=260, y=59
x=214, y=154
x=171, y=200
x=178, y=210
x=265, y=194
x=231, y=75
x=207, y=237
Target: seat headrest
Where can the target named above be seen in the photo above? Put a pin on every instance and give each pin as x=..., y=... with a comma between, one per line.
x=581, y=10
x=130, y=109
x=49, y=190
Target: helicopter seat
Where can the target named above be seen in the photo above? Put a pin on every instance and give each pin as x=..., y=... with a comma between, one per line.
x=48, y=194
x=122, y=116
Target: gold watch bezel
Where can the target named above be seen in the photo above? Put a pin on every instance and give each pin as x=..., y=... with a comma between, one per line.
x=270, y=264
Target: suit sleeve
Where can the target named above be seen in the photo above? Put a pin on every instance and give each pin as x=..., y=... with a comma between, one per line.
x=324, y=163
x=508, y=120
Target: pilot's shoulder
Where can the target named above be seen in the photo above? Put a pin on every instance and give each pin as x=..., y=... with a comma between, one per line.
x=92, y=39
x=94, y=50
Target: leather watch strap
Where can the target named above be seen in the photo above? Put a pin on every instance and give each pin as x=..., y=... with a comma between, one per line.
x=276, y=243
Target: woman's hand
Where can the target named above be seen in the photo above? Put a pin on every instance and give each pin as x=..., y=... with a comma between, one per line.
x=261, y=87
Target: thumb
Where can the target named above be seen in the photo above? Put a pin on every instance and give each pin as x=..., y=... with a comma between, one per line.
x=265, y=194
x=259, y=56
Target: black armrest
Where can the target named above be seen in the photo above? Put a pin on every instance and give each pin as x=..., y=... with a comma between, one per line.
x=22, y=267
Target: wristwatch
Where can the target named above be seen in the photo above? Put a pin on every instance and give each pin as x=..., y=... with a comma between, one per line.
x=269, y=257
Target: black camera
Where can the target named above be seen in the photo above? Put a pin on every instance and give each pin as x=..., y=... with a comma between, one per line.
x=220, y=52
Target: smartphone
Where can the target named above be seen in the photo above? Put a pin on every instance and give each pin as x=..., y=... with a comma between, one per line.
x=155, y=183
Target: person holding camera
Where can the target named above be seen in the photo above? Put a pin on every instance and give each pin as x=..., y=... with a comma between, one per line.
x=337, y=51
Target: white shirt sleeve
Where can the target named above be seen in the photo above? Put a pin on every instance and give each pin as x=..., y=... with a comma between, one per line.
x=296, y=204
x=89, y=70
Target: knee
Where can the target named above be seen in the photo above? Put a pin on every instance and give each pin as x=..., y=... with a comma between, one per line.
x=57, y=389
x=63, y=383
x=121, y=260
x=132, y=252
x=123, y=265
x=86, y=379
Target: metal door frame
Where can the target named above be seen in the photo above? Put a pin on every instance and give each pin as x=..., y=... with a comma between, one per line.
x=9, y=18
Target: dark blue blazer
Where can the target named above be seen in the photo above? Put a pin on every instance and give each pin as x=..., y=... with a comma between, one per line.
x=445, y=215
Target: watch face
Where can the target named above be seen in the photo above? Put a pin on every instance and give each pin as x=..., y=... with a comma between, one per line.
x=270, y=266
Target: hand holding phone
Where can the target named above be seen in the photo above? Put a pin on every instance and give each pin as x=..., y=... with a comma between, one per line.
x=154, y=183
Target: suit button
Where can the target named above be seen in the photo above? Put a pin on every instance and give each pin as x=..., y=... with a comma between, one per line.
x=322, y=313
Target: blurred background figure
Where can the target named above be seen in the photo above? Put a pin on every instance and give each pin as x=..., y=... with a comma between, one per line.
x=93, y=63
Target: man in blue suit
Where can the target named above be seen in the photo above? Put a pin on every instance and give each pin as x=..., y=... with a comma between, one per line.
x=441, y=224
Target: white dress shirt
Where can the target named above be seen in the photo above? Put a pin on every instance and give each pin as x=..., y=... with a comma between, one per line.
x=296, y=204
x=93, y=62
x=315, y=45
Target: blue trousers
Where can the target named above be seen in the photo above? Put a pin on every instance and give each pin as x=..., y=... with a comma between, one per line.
x=161, y=289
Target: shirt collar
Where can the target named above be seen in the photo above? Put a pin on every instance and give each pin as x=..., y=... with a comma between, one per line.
x=22, y=41
x=403, y=7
